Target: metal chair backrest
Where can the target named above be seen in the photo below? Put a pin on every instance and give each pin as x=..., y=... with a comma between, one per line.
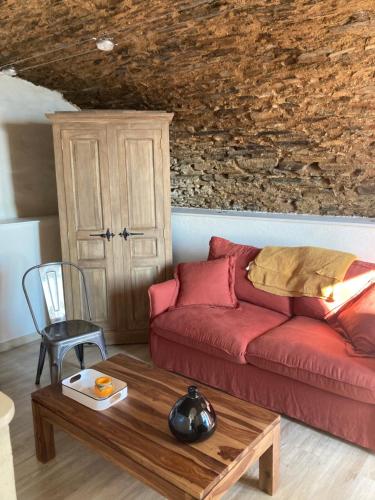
x=51, y=278
x=53, y=290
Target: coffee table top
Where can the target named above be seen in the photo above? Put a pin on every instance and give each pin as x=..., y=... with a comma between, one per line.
x=136, y=429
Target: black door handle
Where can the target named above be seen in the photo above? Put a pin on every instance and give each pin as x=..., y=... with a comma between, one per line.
x=125, y=234
x=107, y=235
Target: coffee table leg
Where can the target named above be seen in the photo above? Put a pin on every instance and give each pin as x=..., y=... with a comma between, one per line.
x=43, y=435
x=269, y=465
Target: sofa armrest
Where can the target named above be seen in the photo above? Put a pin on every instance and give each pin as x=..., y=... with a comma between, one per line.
x=162, y=296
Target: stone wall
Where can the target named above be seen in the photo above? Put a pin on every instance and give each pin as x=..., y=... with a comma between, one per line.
x=273, y=99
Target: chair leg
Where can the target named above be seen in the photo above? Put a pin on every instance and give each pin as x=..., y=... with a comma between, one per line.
x=54, y=365
x=42, y=357
x=55, y=371
x=80, y=355
x=100, y=342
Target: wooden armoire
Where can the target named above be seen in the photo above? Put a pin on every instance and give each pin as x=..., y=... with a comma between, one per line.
x=113, y=185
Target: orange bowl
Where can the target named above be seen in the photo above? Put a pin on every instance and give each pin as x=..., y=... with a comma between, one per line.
x=103, y=387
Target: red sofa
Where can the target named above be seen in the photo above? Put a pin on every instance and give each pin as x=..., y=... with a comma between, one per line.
x=276, y=352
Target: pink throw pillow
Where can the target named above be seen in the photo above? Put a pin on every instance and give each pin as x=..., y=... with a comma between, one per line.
x=206, y=283
x=244, y=289
x=357, y=323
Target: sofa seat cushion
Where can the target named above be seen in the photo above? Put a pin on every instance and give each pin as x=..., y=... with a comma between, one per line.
x=222, y=332
x=310, y=351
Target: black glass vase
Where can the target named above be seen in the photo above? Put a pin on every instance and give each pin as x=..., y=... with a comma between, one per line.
x=192, y=418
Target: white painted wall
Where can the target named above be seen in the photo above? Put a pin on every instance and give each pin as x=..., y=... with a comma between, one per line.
x=27, y=174
x=192, y=229
x=23, y=243
x=27, y=190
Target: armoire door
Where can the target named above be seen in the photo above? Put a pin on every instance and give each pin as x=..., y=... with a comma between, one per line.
x=144, y=200
x=88, y=221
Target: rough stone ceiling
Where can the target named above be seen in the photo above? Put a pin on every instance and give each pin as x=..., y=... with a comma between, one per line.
x=170, y=51
x=287, y=85
x=163, y=47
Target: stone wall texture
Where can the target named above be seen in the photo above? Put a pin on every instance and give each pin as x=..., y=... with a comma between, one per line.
x=274, y=100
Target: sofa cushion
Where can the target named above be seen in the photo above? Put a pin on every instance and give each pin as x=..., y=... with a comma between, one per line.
x=222, y=332
x=245, y=290
x=206, y=283
x=358, y=277
x=357, y=323
x=310, y=351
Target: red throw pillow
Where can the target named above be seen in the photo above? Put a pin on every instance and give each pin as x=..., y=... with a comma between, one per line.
x=357, y=323
x=209, y=283
x=244, y=289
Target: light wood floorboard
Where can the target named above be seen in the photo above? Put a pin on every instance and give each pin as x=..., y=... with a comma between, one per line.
x=314, y=465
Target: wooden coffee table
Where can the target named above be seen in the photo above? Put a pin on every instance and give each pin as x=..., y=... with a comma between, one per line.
x=134, y=433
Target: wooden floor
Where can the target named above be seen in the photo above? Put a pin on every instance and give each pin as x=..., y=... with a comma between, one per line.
x=314, y=466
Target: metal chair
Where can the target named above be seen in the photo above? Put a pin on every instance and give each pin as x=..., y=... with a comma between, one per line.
x=61, y=334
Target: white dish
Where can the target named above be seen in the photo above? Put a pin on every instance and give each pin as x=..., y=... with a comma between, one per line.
x=80, y=387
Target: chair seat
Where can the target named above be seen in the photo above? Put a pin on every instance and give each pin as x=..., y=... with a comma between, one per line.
x=67, y=330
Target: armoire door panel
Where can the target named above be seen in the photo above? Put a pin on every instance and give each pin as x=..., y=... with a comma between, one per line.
x=86, y=183
x=89, y=214
x=139, y=160
x=143, y=247
x=91, y=249
x=96, y=281
x=141, y=176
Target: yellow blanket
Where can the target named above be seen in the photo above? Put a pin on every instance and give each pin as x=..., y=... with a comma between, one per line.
x=299, y=271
